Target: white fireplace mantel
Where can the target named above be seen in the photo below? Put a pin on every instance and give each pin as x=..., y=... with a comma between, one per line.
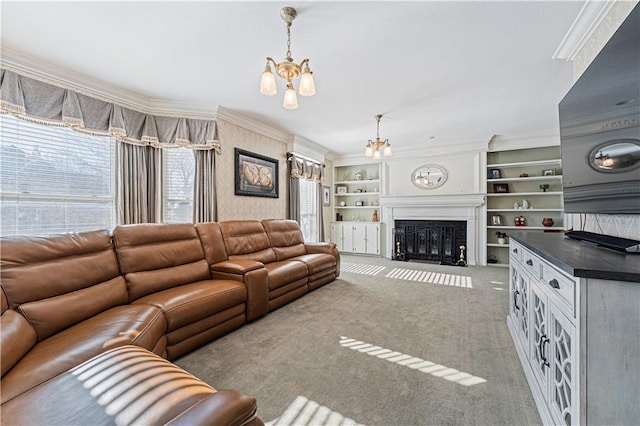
x=434, y=207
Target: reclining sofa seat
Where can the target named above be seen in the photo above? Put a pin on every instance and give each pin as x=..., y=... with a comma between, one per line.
x=164, y=266
x=248, y=240
x=287, y=241
x=64, y=301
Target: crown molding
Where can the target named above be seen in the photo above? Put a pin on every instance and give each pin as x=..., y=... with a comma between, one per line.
x=47, y=72
x=522, y=141
x=257, y=126
x=588, y=19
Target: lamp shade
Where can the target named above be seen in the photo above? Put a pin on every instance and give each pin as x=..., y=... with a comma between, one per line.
x=387, y=149
x=290, y=99
x=268, y=82
x=307, y=85
x=368, y=152
x=376, y=154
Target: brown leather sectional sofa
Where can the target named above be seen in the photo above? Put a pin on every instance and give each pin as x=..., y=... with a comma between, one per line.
x=88, y=318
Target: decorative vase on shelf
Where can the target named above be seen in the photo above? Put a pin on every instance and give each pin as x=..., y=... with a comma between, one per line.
x=374, y=217
x=547, y=221
x=502, y=240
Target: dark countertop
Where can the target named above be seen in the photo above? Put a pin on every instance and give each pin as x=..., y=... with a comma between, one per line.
x=579, y=258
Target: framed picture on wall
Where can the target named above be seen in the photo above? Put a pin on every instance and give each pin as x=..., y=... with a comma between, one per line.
x=326, y=196
x=255, y=175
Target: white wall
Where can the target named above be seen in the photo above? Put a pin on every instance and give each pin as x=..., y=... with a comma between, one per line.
x=462, y=171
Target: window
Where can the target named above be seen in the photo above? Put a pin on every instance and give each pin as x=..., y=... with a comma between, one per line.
x=309, y=210
x=54, y=179
x=178, y=169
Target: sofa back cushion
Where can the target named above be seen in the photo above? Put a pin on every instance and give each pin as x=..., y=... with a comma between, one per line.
x=285, y=237
x=157, y=256
x=247, y=239
x=58, y=281
x=16, y=338
x=212, y=242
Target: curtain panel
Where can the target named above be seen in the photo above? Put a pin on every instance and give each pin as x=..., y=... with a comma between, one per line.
x=46, y=103
x=138, y=184
x=205, y=207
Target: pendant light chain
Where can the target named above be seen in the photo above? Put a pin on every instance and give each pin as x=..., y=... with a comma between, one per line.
x=288, y=55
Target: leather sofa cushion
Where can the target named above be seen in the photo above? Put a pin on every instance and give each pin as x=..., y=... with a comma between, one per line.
x=189, y=303
x=36, y=268
x=285, y=272
x=142, y=325
x=144, y=283
x=212, y=242
x=127, y=385
x=285, y=237
x=247, y=239
x=317, y=262
x=157, y=256
x=51, y=315
x=284, y=253
x=17, y=337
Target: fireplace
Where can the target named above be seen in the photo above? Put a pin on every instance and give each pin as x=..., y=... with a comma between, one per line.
x=437, y=241
x=440, y=208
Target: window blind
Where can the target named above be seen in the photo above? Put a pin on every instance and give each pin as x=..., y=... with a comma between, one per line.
x=53, y=179
x=179, y=169
x=308, y=210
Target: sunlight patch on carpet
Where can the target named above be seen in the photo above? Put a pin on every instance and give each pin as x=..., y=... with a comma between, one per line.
x=412, y=362
x=360, y=268
x=430, y=277
x=303, y=412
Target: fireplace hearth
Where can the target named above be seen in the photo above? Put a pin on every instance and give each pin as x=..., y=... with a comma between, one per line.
x=441, y=241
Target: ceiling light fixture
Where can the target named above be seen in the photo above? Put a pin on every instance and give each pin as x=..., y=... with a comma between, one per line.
x=373, y=147
x=288, y=70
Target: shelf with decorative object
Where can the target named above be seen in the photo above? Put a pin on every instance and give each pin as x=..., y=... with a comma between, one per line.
x=523, y=195
x=356, y=190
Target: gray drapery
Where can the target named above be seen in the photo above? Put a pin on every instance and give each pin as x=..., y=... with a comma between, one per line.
x=293, y=200
x=138, y=135
x=302, y=168
x=47, y=103
x=138, y=183
x=320, y=212
x=205, y=207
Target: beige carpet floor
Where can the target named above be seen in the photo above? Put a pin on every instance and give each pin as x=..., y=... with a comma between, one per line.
x=388, y=343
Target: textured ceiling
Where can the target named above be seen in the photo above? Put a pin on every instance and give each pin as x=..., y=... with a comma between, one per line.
x=443, y=73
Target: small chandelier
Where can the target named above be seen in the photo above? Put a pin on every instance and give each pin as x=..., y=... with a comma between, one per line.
x=373, y=147
x=288, y=70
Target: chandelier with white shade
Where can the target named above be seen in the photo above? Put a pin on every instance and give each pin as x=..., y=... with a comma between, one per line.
x=374, y=147
x=288, y=70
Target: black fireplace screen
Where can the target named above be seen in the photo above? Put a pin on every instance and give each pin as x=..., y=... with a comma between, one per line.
x=428, y=240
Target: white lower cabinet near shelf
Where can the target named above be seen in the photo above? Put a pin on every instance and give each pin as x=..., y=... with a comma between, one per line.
x=544, y=332
x=356, y=237
x=577, y=339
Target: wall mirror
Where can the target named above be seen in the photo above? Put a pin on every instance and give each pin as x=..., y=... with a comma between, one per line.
x=429, y=176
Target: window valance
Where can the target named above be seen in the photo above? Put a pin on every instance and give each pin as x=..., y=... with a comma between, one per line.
x=46, y=103
x=302, y=168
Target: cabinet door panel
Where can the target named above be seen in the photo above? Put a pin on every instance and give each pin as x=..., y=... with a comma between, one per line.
x=359, y=238
x=563, y=369
x=540, y=340
x=373, y=239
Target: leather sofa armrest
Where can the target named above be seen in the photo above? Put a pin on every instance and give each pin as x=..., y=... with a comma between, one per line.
x=255, y=278
x=320, y=247
x=240, y=267
x=225, y=407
